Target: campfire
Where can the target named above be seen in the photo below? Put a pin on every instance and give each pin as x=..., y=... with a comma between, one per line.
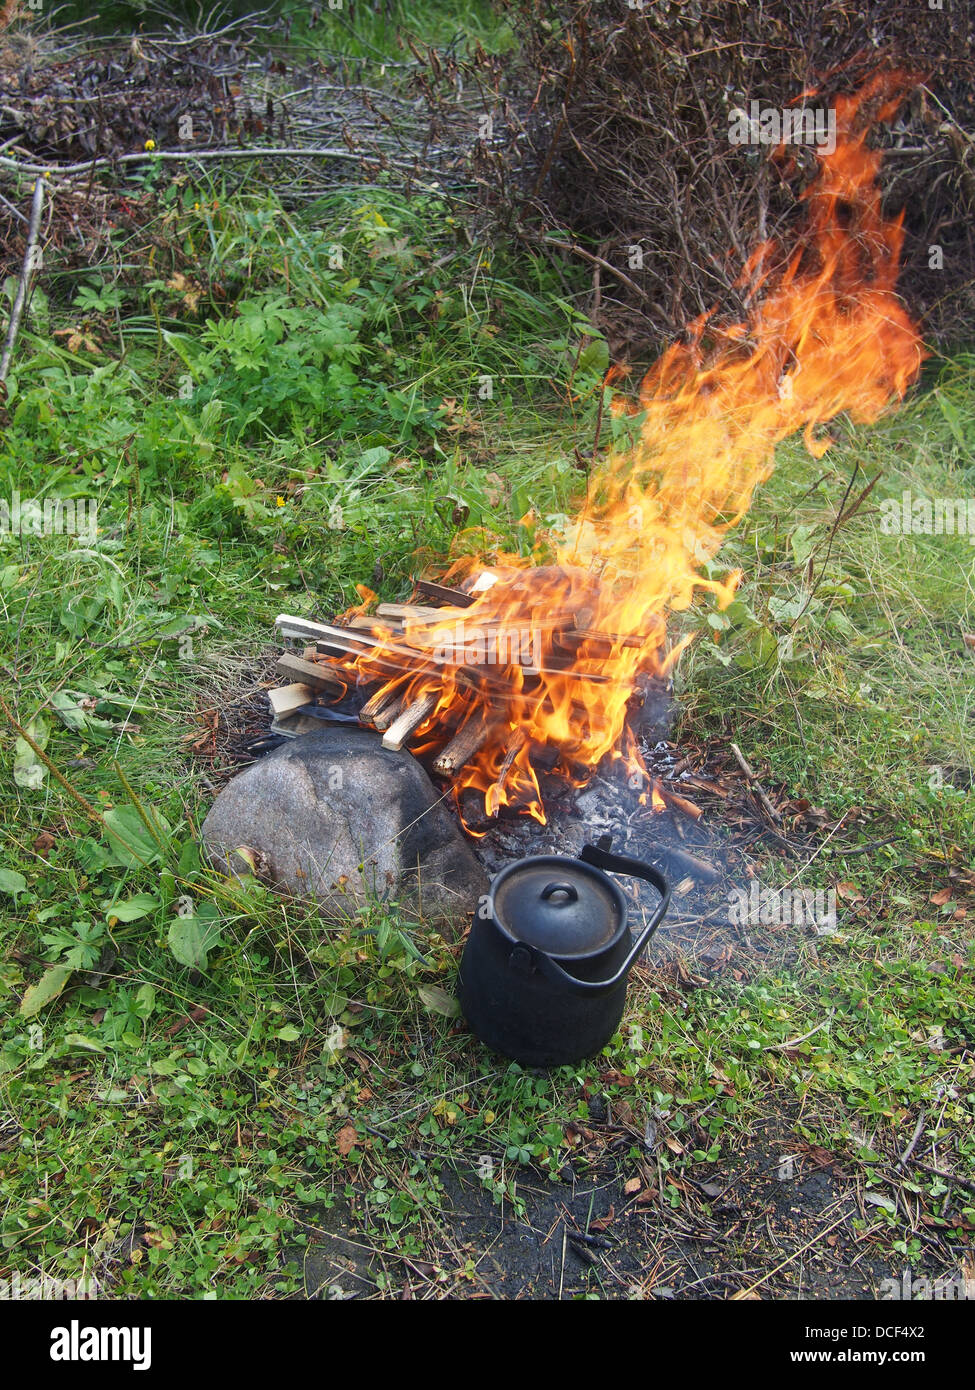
x=510, y=669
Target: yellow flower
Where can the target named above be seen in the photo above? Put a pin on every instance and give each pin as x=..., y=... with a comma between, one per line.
x=150, y=144
x=280, y=501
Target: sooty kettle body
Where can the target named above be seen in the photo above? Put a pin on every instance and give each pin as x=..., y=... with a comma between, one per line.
x=544, y=971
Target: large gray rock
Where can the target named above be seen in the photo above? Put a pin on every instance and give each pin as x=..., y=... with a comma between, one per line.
x=336, y=817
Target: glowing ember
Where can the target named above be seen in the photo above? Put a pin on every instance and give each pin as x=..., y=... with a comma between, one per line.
x=548, y=652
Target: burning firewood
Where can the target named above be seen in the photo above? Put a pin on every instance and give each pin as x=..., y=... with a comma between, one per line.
x=680, y=803
x=406, y=724
x=478, y=689
x=454, y=597
x=468, y=740
x=389, y=713
x=516, y=741
x=385, y=698
x=409, y=612
x=365, y=623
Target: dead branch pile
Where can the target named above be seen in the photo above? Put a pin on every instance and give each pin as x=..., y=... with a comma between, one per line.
x=93, y=112
x=611, y=136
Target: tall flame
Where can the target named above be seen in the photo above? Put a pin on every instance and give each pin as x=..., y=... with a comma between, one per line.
x=826, y=333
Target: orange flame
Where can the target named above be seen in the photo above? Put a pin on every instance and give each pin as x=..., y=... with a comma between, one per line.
x=553, y=650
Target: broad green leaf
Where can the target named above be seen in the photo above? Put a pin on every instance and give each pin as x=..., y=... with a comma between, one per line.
x=953, y=418
x=189, y=859
x=29, y=771
x=145, y=1000
x=289, y=1033
x=133, y=908
x=594, y=357
x=438, y=1001
x=85, y=1044
x=191, y=938
x=47, y=989
x=68, y=710
x=130, y=839
x=370, y=459
x=12, y=882
x=760, y=650
x=803, y=543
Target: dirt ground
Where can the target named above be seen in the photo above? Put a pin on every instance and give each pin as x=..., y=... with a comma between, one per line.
x=780, y=1225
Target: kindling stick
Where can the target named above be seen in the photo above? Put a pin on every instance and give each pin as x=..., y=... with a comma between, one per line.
x=462, y=747
x=409, y=721
x=754, y=783
x=455, y=598
x=388, y=715
x=378, y=702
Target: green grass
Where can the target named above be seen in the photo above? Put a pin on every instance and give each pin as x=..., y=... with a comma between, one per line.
x=372, y=32
x=178, y=1107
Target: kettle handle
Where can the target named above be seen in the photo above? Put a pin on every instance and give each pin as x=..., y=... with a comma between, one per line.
x=601, y=858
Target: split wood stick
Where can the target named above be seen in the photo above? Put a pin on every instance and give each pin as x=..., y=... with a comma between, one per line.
x=380, y=670
x=290, y=697
x=307, y=629
x=447, y=720
x=680, y=803
x=437, y=617
x=367, y=624
x=357, y=643
x=350, y=645
x=409, y=721
x=756, y=786
x=400, y=658
x=585, y=634
x=389, y=713
x=409, y=610
x=378, y=701
x=462, y=747
x=443, y=593
x=313, y=673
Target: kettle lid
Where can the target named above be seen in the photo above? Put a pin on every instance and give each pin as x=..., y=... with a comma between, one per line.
x=560, y=906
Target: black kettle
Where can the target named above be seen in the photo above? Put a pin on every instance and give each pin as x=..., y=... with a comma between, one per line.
x=543, y=975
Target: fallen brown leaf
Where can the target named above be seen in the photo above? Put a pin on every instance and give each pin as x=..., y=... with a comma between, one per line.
x=347, y=1140
x=196, y=1015
x=603, y=1223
